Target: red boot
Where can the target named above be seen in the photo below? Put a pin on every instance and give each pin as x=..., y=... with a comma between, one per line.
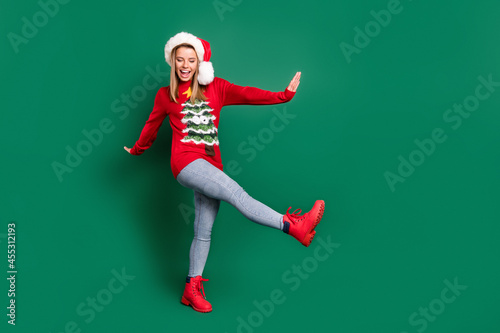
x=302, y=227
x=192, y=295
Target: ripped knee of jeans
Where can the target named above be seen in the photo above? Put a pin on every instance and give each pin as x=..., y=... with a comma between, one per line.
x=202, y=239
x=203, y=235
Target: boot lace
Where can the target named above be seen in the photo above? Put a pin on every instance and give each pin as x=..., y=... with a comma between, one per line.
x=295, y=216
x=198, y=285
x=201, y=284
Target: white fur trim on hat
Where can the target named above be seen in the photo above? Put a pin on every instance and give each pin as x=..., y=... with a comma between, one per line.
x=180, y=38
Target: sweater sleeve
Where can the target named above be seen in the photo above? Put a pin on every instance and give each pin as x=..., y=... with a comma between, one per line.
x=150, y=129
x=233, y=94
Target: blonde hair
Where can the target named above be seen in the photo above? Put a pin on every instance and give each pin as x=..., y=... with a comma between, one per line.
x=196, y=88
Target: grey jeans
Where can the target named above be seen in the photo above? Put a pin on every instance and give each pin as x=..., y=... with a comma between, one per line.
x=210, y=186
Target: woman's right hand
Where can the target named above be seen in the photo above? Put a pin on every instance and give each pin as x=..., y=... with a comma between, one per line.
x=127, y=149
x=295, y=82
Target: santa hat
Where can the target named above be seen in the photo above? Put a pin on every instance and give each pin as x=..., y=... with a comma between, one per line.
x=202, y=48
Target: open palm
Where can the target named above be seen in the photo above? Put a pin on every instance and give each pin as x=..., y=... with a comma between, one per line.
x=295, y=82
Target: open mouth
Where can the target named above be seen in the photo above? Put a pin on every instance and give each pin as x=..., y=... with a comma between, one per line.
x=185, y=74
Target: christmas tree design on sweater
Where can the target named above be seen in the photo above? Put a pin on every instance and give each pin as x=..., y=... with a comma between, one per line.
x=200, y=127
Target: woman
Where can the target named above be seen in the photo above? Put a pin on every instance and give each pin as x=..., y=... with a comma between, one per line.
x=193, y=101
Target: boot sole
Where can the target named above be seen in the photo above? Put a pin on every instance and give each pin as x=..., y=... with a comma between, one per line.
x=311, y=233
x=186, y=302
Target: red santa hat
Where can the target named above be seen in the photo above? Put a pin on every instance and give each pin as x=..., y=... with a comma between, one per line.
x=202, y=48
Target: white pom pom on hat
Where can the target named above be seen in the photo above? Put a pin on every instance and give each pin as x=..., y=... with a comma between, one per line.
x=202, y=48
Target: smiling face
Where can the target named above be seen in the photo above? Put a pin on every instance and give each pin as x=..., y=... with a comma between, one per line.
x=186, y=63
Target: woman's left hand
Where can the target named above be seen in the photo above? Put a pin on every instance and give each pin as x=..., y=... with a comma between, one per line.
x=295, y=82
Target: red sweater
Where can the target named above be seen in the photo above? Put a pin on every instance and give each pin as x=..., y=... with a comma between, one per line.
x=195, y=126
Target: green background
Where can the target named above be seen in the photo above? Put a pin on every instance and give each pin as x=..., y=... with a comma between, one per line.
x=352, y=121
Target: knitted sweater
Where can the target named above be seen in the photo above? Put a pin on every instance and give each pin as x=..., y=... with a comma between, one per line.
x=195, y=125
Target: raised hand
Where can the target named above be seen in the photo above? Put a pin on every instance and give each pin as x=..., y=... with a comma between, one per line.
x=295, y=82
x=127, y=149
